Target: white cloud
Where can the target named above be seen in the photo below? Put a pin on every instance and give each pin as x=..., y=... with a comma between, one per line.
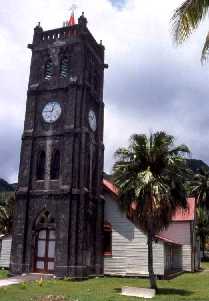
x=141, y=56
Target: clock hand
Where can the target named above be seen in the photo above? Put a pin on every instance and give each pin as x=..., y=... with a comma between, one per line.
x=47, y=111
x=53, y=107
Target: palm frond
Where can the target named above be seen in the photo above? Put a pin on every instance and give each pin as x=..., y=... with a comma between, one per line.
x=199, y=187
x=205, y=50
x=149, y=173
x=162, y=139
x=181, y=149
x=187, y=17
x=202, y=222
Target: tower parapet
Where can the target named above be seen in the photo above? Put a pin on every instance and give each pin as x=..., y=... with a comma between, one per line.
x=65, y=34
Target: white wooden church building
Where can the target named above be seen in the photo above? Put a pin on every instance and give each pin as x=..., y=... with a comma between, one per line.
x=175, y=249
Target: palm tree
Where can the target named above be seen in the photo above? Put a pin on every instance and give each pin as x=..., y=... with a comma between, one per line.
x=150, y=173
x=202, y=226
x=187, y=18
x=7, y=207
x=200, y=187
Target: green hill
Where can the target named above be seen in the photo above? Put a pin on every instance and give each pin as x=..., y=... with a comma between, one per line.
x=5, y=186
x=195, y=165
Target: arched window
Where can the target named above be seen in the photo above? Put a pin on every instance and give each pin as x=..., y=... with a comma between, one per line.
x=40, y=169
x=64, y=67
x=55, y=165
x=48, y=69
x=107, y=239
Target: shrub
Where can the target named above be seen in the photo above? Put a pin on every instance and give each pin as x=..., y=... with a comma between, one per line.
x=23, y=285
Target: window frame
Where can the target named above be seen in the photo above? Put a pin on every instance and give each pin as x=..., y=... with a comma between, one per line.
x=40, y=170
x=54, y=166
x=48, y=73
x=64, y=63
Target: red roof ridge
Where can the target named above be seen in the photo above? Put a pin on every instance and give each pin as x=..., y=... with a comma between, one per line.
x=181, y=214
x=167, y=240
x=110, y=186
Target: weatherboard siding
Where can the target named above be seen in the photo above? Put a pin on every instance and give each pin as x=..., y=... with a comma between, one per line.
x=129, y=246
x=5, y=252
x=181, y=233
x=187, y=258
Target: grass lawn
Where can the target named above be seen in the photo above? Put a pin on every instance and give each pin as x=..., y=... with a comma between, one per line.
x=205, y=265
x=185, y=287
x=3, y=273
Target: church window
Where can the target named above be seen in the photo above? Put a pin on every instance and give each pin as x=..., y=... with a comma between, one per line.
x=64, y=67
x=55, y=165
x=40, y=171
x=107, y=239
x=48, y=69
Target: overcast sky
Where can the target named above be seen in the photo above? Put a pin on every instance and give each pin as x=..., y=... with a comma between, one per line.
x=150, y=84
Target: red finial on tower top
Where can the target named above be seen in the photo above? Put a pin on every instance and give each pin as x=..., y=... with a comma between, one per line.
x=71, y=21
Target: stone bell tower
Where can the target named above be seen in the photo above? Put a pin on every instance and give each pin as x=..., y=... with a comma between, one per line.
x=59, y=211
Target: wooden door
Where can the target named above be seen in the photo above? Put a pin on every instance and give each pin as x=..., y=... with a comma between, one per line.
x=45, y=251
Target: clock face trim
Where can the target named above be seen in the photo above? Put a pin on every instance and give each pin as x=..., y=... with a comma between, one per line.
x=92, y=120
x=51, y=111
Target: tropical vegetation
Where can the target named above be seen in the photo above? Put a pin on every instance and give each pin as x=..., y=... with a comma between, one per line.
x=202, y=227
x=7, y=207
x=199, y=187
x=149, y=174
x=5, y=186
x=187, y=18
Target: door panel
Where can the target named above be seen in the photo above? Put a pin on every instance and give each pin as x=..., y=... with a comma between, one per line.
x=50, y=266
x=45, y=251
x=40, y=265
x=51, y=249
x=51, y=234
x=42, y=234
x=41, y=248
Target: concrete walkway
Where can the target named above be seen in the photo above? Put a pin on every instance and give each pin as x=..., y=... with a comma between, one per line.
x=24, y=278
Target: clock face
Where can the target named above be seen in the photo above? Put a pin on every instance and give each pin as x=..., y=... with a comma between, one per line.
x=51, y=112
x=92, y=120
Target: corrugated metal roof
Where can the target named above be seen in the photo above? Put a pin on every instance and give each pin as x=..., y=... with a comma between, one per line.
x=187, y=214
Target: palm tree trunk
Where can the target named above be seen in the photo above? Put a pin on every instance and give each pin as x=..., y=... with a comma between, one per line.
x=153, y=283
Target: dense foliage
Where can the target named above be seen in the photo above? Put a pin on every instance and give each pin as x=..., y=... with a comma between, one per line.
x=7, y=207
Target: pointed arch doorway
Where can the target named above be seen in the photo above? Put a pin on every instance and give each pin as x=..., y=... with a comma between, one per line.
x=45, y=240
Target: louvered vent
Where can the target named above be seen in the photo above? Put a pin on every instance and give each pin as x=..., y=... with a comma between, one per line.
x=49, y=70
x=64, y=69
